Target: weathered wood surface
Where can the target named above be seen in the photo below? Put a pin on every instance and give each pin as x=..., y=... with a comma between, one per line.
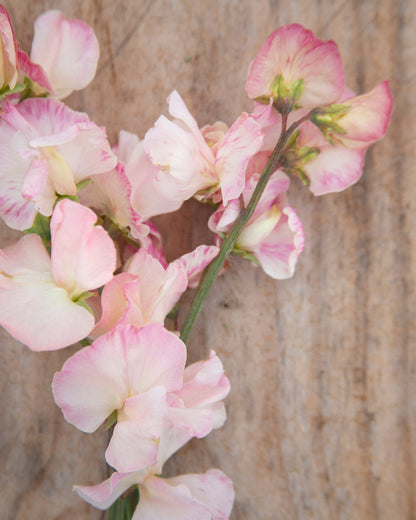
x=322, y=415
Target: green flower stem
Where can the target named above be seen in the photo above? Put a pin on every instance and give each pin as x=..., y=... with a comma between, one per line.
x=212, y=271
x=120, y=510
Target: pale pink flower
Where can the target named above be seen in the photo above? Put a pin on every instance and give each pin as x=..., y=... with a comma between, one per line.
x=274, y=234
x=83, y=258
x=148, y=291
x=189, y=166
x=73, y=61
x=332, y=160
x=149, y=196
x=129, y=371
x=296, y=69
x=45, y=150
x=207, y=496
x=109, y=194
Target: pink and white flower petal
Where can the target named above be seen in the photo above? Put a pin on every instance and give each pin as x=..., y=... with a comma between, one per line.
x=103, y=495
x=279, y=252
x=113, y=303
x=26, y=281
x=83, y=255
x=159, y=499
x=17, y=212
x=176, y=151
x=195, y=262
x=368, y=116
x=335, y=168
x=8, y=51
x=150, y=195
x=297, y=54
x=160, y=288
x=204, y=383
x=133, y=445
x=156, y=359
x=73, y=63
x=93, y=382
x=213, y=489
x=242, y=141
x=179, y=110
x=26, y=67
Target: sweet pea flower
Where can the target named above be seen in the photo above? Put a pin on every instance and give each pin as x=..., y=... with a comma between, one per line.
x=274, y=235
x=128, y=371
x=207, y=496
x=147, y=291
x=296, y=69
x=45, y=150
x=189, y=166
x=73, y=62
x=83, y=258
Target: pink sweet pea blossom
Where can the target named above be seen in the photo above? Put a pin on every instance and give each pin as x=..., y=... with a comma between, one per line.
x=73, y=62
x=207, y=496
x=83, y=258
x=189, y=166
x=45, y=150
x=148, y=291
x=274, y=234
x=130, y=371
x=296, y=68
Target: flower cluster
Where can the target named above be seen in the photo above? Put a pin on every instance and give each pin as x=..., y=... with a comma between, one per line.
x=91, y=266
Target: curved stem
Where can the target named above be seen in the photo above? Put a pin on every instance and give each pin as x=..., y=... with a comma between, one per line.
x=212, y=271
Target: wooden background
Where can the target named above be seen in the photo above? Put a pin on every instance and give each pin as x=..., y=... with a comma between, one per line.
x=322, y=415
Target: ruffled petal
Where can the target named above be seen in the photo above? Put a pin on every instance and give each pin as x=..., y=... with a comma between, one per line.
x=73, y=62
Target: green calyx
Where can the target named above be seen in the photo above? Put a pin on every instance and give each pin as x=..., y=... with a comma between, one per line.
x=327, y=119
x=111, y=420
x=285, y=98
x=41, y=227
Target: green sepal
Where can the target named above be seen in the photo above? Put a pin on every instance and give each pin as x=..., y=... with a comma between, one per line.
x=245, y=254
x=307, y=153
x=173, y=314
x=300, y=172
x=111, y=420
x=41, y=227
x=81, y=300
x=327, y=119
x=85, y=342
x=285, y=97
x=82, y=184
x=5, y=91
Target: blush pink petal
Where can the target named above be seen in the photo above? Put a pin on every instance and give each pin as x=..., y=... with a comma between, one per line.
x=296, y=53
x=93, y=383
x=34, y=72
x=242, y=141
x=368, y=117
x=204, y=383
x=158, y=359
x=103, y=495
x=213, y=489
x=73, y=62
x=335, y=168
x=83, y=255
x=26, y=282
x=161, y=501
x=195, y=262
x=279, y=253
x=150, y=196
x=133, y=445
x=113, y=302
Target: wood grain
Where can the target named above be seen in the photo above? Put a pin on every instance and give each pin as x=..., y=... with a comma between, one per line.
x=322, y=415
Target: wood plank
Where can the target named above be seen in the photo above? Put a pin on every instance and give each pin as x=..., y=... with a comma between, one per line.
x=322, y=416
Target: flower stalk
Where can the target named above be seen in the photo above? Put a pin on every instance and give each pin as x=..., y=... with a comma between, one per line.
x=213, y=269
